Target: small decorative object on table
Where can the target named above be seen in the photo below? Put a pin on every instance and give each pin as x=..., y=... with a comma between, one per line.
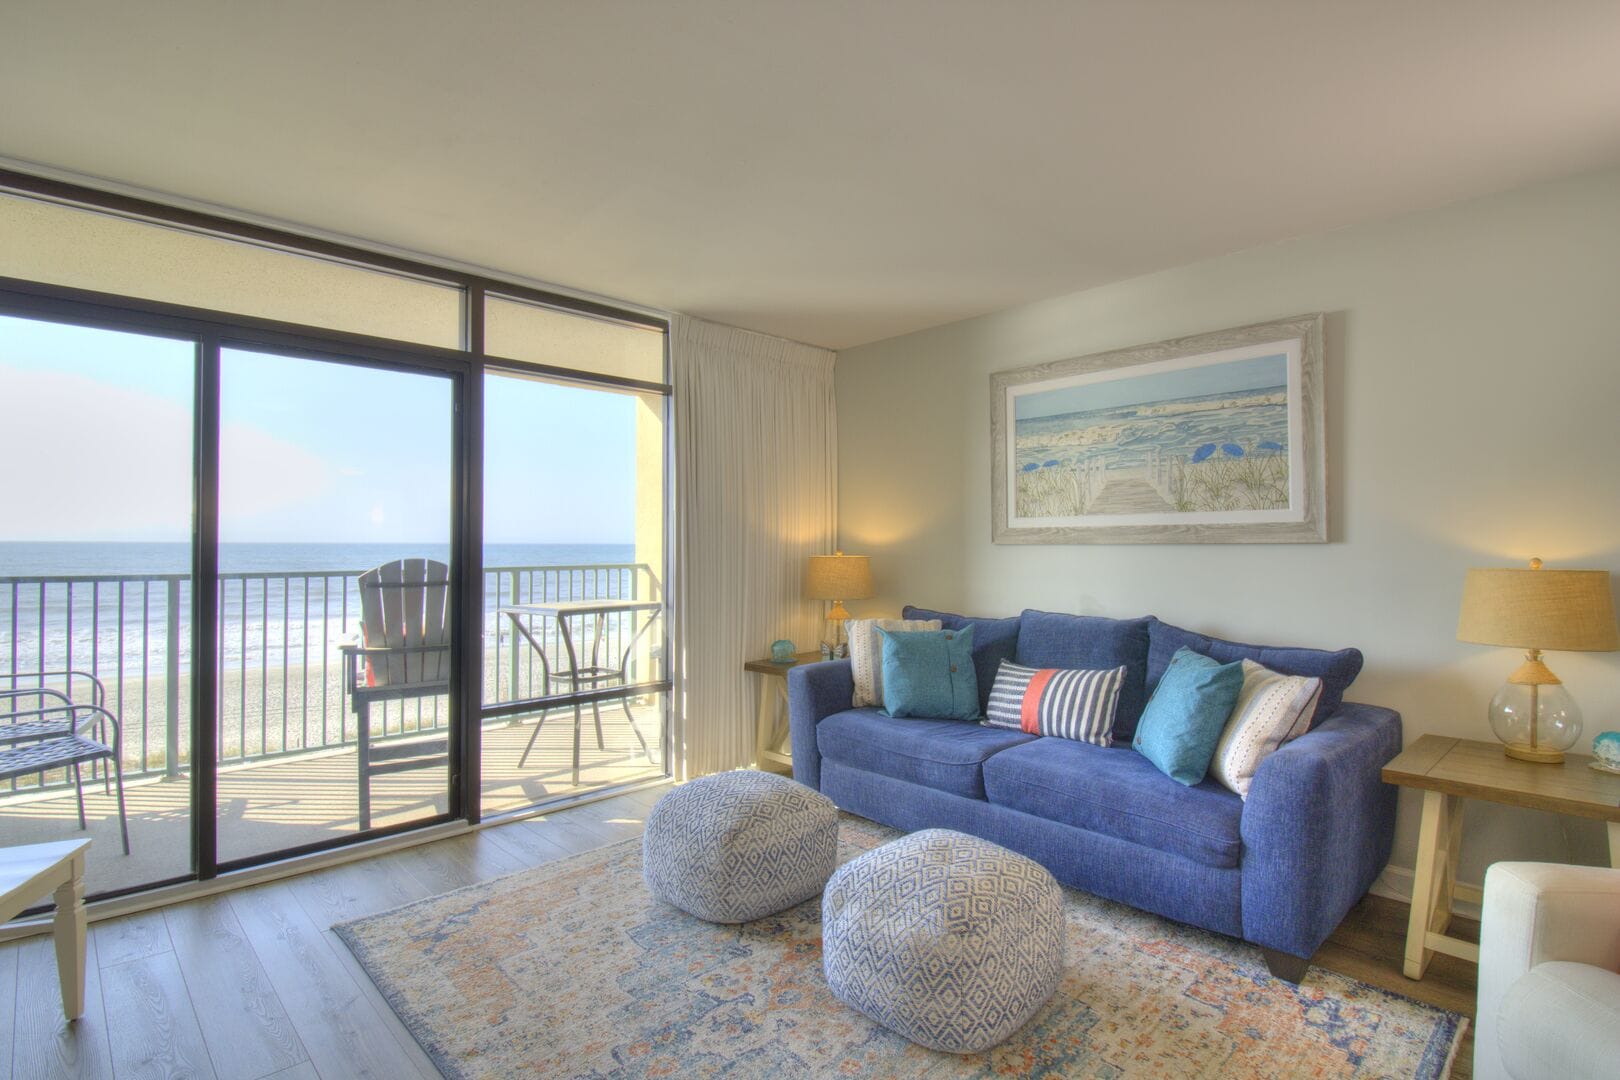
x=783, y=652
x=1606, y=752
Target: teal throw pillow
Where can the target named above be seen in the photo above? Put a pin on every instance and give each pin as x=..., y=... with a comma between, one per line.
x=1183, y=721
x=930, y=673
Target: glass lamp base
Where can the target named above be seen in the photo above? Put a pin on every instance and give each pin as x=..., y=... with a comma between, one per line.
x=1535, y=722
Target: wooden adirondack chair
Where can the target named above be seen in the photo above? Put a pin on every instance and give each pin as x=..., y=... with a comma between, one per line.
x=403, y=653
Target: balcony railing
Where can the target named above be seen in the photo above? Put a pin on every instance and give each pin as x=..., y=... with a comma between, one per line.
x=279, y=685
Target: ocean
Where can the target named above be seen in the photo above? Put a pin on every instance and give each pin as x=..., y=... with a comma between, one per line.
x=106, y=606
x=31, y=559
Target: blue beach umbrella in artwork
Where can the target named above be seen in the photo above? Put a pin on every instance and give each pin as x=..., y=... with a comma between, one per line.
x=1051, y=464
x=1031, y=467
x=1270, y=445
x=1203, y=452
x=1231, y=449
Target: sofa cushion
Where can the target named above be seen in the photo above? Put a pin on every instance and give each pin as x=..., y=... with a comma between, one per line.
x=1337, y=669
x=1050, y=640
x=1186, y=714
x=866, y=654
x=929, y=673
x=1071, y=704
x=1117, y=792
x=947, y=755
x=994, y=640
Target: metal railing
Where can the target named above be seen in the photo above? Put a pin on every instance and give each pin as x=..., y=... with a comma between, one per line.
x=279, y=687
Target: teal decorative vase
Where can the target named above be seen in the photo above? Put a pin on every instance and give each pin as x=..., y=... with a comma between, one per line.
x=783, y=652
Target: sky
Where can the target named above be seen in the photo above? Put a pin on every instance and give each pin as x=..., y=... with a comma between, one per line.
x=1261, y=373
x=309, y=451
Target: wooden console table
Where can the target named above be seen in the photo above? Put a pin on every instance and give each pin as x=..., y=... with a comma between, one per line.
x=1449, y=770
x=771, y=735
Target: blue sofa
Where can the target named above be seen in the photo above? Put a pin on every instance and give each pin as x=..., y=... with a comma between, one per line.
x=1279, y=870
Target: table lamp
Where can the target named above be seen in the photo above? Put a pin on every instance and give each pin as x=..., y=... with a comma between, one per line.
x=1536, y=609
x=838, y=577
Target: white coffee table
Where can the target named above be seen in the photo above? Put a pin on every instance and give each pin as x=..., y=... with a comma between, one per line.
x=27, y=873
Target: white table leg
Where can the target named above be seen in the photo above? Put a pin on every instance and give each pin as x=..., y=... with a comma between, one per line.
x=69, y=931
x=764, y=720
x=1425, y=884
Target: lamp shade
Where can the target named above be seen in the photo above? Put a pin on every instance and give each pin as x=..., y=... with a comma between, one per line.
x=1556, y=610
x=838, y=577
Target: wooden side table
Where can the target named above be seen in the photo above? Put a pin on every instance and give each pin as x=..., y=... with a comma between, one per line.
x=27, y=873
x=771, y=729
x=1449, y=770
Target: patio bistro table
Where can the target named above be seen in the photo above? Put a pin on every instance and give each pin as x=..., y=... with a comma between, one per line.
x=562, y=611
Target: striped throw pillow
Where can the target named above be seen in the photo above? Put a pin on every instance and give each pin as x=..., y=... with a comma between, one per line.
x=1067, y=703
x=1271, y=709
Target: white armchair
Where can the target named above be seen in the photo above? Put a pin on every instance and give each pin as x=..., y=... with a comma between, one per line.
x=1549, y=973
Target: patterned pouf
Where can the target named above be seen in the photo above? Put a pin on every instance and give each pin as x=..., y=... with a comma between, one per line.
x=944, y=938
x=738, y=846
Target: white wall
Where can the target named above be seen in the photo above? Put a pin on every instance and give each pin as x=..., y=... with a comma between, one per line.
x=1473, y=381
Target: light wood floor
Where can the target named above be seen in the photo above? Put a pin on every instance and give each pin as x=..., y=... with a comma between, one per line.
x=252, y=984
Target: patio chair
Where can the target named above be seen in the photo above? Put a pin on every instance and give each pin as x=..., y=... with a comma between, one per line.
x=58, y=733
x=403, y=653
x=591, y=677
x=72, y=682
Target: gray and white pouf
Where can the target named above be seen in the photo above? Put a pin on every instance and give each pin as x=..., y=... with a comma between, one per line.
x=738, y=846
x=944, y=938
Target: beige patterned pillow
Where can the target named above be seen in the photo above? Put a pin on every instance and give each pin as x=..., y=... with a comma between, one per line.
x=1270, y=710
x=866, y=653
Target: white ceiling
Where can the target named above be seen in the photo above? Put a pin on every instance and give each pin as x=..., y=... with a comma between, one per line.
x=834, y=171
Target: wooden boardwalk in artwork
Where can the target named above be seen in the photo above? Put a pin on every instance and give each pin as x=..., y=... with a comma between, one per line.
x=1126, y=495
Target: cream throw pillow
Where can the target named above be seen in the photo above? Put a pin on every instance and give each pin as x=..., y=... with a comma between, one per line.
x=1270, y=710
x=866, y=653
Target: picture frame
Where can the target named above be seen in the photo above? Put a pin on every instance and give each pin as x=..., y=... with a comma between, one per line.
x=1216, y=438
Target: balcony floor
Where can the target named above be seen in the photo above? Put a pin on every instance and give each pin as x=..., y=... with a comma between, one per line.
x=290, y=802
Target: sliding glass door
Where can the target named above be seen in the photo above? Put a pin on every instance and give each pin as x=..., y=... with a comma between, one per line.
x=334, y=602
x=312, y=543
x=96, y=669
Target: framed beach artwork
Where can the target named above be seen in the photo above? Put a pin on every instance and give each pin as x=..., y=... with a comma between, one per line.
x=1211, y=439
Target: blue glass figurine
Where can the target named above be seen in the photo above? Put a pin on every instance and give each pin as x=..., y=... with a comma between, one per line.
x=782, y=652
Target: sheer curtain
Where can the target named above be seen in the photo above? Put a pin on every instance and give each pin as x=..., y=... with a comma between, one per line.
x=756, y=494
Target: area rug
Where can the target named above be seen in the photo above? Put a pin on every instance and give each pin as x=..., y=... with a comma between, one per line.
x=572, y=970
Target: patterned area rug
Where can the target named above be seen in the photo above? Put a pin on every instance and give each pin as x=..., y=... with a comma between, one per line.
x=572, y=970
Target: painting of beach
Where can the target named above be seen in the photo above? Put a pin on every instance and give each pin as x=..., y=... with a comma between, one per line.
x=1213, y=437
x=1204, y=440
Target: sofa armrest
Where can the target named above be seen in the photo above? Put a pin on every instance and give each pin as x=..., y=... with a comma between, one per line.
x=815, y=691
x=1317, y=828
x=1535, y=913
